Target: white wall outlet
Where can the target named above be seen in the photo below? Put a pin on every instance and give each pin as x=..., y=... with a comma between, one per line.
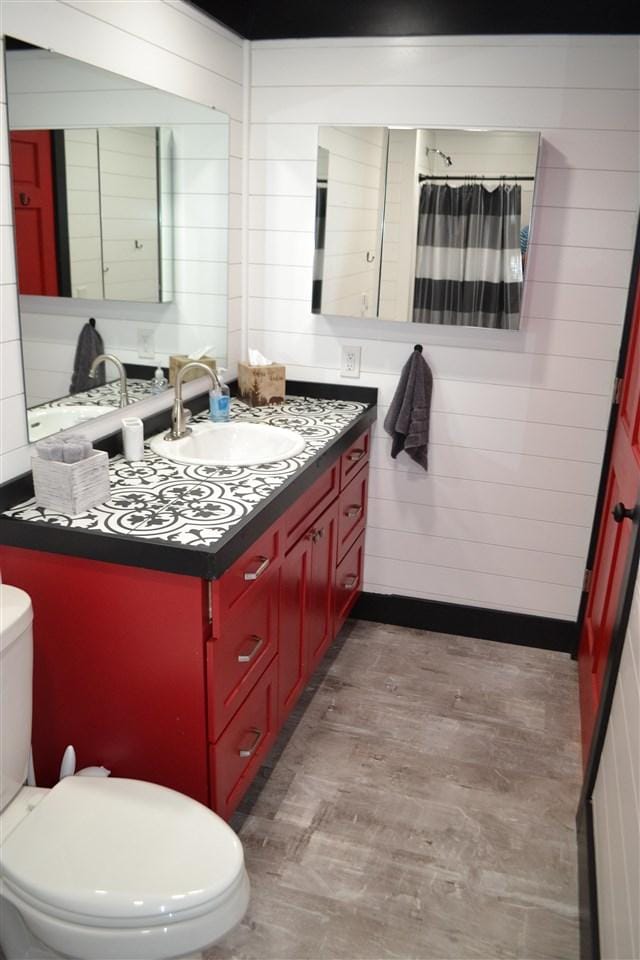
x=350, y=364
x=146, y=337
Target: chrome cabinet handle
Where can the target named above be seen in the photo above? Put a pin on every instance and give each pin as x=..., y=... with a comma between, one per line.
x=260, y=569
x=250, y=750
x=355, y=456
x=353, y=511
x=350, y=582
x=248, y=657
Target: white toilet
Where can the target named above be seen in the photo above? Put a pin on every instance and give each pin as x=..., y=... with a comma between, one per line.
x=101, y=868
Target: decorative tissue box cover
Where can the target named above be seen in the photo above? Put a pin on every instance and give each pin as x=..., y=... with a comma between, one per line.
x=178, y=360
x=71, y=488
x=261, y=385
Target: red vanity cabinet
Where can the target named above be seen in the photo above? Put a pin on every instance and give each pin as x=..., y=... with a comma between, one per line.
x=183, y=681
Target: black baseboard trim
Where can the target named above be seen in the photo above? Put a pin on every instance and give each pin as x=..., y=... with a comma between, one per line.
x=587, y=884
x=522, y=629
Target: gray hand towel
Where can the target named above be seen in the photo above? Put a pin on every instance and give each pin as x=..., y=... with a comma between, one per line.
x=90, y=344
x=407, y=420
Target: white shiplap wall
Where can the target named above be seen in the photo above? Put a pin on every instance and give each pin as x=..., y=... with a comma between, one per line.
x=173, y=48
x=503, y=518
x=616, y=808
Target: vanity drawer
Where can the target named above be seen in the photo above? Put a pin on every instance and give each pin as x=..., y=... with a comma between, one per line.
x=354, y=458
x=348, y=582
x=352, y=511
x=247, y=573
x=248, y=640
x=237, y=755
x=310, y=505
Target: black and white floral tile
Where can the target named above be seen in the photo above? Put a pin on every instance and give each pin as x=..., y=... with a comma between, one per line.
x=157, y=499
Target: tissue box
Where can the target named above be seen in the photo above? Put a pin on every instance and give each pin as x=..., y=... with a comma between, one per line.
x=178, y=360
x=71, y=488
x=261, y=385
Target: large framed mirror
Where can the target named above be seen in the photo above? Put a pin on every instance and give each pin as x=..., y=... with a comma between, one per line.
x=423, y=225
x=120, y=195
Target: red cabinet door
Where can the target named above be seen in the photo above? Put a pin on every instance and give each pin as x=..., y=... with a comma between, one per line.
x=34, y=213
x=319, y=607
x=306, y=607
x=614, y=538
x=292, y=650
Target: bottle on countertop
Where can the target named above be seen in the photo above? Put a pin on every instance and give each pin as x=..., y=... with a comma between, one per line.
x=159, y=382
x=220, y=399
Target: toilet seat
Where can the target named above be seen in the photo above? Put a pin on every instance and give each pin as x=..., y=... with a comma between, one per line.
x=121, y=853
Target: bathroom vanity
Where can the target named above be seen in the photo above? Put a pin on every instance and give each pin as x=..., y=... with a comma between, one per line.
x=176, y=659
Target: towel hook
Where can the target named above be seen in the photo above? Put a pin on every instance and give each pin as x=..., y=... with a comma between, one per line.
x=418, y=347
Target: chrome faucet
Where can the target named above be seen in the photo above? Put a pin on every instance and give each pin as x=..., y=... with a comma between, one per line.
x=124, y=396
x=180, y=416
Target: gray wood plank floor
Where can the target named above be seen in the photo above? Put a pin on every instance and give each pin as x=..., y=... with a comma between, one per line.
x=419, y=804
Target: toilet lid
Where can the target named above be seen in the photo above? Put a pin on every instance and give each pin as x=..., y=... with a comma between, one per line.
x=121, y=849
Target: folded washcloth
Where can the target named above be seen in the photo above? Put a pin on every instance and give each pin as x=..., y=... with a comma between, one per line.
x=50, y=449
x=407, y=420
x=68, y=449
x=72, y=452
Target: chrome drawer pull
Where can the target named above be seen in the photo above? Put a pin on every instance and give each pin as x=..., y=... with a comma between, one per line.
x=350, y=582
x=249, y=751
x=353, y=511
x=254, y=574
x=355, y=456
x=248, y=657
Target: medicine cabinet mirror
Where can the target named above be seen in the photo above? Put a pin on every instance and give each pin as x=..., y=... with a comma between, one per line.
x=120, y=195
x=423, y=225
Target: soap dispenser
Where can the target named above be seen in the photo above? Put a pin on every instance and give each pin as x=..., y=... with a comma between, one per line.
x=220, y=399
x=159, y=382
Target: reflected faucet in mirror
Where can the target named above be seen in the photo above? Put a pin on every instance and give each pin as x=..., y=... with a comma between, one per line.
x=101, y=358
x=179, y=416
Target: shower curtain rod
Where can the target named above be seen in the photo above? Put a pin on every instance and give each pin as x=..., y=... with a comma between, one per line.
x=434, y=176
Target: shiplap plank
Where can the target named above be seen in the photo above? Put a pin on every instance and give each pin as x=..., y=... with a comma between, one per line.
x=457, y=64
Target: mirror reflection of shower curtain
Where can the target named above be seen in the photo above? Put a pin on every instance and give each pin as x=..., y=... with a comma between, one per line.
x=468, y=261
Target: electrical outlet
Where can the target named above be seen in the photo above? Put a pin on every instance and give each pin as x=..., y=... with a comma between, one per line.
x=146, y=336
x=350, y=365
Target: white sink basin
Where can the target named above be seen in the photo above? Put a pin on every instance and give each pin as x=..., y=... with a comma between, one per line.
x=44, y=422
x=233, y=444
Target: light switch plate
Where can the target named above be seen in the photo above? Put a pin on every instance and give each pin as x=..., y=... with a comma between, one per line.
x=350, y=363
x=146, y=336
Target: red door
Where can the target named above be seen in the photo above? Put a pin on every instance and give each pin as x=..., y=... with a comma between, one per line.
x=34, y=213
x=621, y=499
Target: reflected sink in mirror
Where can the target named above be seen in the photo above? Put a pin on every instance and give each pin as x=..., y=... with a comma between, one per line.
x=233, y=444
x=43, y=422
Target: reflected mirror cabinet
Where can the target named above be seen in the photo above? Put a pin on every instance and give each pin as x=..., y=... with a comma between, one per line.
x=120, y=198
x=423, y=225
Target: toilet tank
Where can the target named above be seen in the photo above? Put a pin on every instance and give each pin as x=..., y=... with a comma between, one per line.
x=16, y=676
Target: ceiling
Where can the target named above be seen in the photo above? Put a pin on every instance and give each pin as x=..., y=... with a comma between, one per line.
x=278, y=19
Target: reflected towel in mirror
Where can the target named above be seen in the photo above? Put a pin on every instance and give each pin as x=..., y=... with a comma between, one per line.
x=89, y=346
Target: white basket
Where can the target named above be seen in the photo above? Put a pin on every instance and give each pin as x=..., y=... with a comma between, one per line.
x=71, y=488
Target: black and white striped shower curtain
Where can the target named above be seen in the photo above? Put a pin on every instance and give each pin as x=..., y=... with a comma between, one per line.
x=468, y=263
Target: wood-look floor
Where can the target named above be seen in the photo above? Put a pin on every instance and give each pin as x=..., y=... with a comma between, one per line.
x=419, y=804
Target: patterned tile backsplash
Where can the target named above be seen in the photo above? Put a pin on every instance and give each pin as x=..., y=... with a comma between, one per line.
x=195, y=506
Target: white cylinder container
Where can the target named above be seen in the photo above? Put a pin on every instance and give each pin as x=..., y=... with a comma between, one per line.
x=133, y=438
